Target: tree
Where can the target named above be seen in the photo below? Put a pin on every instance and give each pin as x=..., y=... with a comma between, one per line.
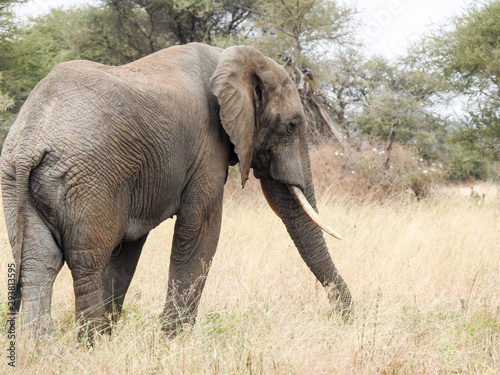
x=5, y=101
x=6, y=14
x=376, y=98
x=398, y=95
x=304, y=28
x=7, y=28
x=302, y=33
x=467, y=56
x=131, y=29
x=43, y=42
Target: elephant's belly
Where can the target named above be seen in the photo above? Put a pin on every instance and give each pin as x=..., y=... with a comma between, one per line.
x=138, y=227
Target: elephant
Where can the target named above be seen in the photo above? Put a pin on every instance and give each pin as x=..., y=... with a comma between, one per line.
x=100, y=155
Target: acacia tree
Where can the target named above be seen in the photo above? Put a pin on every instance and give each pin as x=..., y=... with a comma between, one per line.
x=7, y=28
x=467, y=55
x=379, y=101
x=6, y=14
x=302, y=33
x=131, y=29
x=34, y=49
x=398, y=96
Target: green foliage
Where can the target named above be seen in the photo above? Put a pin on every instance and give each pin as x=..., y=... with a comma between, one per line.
x=130, y=29
x=369, y=96
x=468, y=165
x=57, y=36
x=298, y=27
x=7, y=30
x=314, y=39
x=471, y=51
x=5, y=101
x=6, y=15
x=398, y=96
x=467, y=56
x=474, y=69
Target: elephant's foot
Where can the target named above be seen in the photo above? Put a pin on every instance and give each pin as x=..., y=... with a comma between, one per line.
x=171, y=328
x=174, y=322
x=181, y=308
x=89, y=331
x=91, y=317
x=38, y=327
x=92, y=324
x=35, y=316
x=112, y=313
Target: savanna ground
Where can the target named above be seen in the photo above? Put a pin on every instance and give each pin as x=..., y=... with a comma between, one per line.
x=425, y=277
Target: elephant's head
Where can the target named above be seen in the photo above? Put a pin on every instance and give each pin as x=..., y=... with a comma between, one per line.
x=261, y=111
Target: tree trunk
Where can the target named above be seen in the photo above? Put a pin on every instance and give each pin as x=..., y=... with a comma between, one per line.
x=388, y=149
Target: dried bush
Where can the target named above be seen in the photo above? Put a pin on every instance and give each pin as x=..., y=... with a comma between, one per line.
x=372, y=174
x=362, y=175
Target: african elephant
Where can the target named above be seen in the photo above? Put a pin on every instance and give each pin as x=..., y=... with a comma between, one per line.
x=100, y=155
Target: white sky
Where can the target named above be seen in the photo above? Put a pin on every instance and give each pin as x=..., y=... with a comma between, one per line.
x=388, y=26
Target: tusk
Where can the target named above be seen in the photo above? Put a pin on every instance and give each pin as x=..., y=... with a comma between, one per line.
x=306, y=206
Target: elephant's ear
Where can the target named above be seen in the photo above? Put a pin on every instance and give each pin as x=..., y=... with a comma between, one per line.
x=235, y=81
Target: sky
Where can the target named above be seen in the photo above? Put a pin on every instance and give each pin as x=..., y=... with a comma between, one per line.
x=387, y=26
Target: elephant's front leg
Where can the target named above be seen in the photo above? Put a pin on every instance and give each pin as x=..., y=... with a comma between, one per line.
x=195, y=241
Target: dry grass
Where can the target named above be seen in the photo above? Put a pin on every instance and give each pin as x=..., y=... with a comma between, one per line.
x=425, y=277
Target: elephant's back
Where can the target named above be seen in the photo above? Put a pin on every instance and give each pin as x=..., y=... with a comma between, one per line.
x=59, y=102
x=83, y=103
x=102, y=126
x=81, y=119
x=87, y=100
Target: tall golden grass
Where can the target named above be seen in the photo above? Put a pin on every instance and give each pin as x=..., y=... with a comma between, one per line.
x=425, y=277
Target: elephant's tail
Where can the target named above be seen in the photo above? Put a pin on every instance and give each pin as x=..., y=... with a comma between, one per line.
x=23, y=172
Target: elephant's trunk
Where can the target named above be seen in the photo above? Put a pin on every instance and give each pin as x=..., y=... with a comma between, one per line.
x=309, y=240
x=305, y=233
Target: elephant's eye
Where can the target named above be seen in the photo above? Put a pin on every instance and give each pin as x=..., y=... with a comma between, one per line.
x=292, y=125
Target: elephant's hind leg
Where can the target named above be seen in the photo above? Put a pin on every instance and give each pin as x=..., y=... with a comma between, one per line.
x=92, y=232
x=87, y=258
x=41, y=262
x=118, y=275
x=87, y=283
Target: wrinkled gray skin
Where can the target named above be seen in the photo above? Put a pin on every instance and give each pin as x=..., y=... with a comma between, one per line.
x=101, y=155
